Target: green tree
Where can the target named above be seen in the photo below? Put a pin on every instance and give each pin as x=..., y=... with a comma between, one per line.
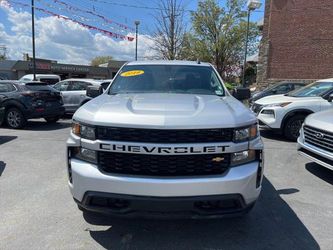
x=219, y=35
x=3, y=57
x=98, y=60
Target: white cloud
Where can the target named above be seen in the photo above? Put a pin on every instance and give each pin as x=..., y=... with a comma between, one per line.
x=65, y=41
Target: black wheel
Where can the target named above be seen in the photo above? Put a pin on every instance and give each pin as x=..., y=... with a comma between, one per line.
x=52, y=119
x=15, y=118
x=292, y=127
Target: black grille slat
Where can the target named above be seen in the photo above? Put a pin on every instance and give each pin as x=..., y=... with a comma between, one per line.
x=162, y=165
x=325, y=143
x=164, y=135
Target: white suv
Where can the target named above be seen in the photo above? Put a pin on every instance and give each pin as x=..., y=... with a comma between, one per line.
x=287, y=112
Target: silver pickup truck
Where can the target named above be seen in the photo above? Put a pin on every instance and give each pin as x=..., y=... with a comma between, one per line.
x=166, y=138
x=316, y=138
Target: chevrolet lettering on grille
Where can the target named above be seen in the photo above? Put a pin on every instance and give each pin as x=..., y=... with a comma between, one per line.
x=162, y=150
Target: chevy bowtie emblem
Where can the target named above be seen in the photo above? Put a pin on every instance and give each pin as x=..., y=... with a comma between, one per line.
x=320, y=136
x=218, y=159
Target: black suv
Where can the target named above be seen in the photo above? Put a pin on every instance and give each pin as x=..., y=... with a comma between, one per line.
x=279, y=88
x=20, y=101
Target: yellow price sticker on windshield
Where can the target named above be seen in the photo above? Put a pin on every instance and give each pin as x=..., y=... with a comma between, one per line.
x=132, y=73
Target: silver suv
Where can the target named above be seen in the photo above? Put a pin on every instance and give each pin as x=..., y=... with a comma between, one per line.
x=74, y=91
x=166, y=138
x=316, y=138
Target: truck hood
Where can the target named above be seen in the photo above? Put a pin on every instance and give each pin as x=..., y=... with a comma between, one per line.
x=284, y=98
x=321, y=120
x=165, y=111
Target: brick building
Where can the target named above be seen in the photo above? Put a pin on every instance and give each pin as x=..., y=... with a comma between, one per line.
x=297, y=41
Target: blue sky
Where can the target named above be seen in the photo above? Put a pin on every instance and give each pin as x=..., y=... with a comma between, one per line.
x=14, y=25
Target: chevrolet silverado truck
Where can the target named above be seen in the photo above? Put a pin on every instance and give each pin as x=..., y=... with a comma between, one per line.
x=165, y=139
x=316, y=138
x=286, y=113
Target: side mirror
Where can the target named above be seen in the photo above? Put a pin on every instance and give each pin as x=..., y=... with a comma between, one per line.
x=330, y=98
x=242, y=93
x=94, y=91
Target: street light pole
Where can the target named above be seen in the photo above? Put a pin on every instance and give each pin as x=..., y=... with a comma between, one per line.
x=33, y=39
x=251, y=5
x=246, y=45
x=136, y=39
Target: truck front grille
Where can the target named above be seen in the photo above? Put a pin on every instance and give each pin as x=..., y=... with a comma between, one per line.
x=163, y=165
x=319, y=138
x=164, y=135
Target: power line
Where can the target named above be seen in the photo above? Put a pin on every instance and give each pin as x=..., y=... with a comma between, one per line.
x=141, y=6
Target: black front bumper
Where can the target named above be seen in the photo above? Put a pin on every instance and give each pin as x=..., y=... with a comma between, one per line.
x=165, y=207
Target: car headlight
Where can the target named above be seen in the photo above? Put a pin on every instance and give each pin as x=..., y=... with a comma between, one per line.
x=268, y=112
x=84, y=154
x=243, y=157
x=83, y=131
x=246, y=134
x=283, y=104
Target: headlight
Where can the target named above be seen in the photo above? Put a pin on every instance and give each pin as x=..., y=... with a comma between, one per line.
x=246, y=134
x=83, y=131
x=243, y=157
x=268, y=112
x=84, y=154
x=283, y=104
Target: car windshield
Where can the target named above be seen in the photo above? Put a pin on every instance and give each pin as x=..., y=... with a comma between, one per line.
x=167, y=79
x=314, y=89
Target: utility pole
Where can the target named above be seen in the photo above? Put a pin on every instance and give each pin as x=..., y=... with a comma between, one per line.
x=136, y=39
x=246, y=45
x=3, y=54
x=33, y=39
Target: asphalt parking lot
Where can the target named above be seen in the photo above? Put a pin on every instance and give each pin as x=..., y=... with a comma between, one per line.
x=295, y=210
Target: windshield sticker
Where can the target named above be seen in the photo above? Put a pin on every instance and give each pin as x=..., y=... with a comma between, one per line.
x=132, y=73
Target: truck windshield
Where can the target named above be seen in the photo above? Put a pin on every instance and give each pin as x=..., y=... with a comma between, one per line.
x=167, y=79
x=314, y=89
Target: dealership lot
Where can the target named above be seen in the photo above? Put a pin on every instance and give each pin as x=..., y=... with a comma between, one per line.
x=295, y=210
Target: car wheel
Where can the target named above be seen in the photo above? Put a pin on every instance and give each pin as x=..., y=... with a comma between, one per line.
x=15, y=118
x=292, y=127
x=52, y=119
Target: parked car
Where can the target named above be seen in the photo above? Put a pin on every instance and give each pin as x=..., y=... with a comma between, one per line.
x=47, y=78
x=166, y=138
x=26, y=100
x=286, y=113
x=74, y=91
x=279, y=88
x=316, y=138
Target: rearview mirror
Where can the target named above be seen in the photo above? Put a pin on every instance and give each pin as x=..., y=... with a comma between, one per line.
x=241, y=93
x=94, y=91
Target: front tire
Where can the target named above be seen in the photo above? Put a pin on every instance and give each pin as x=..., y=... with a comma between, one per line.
x=293, y=126
x=15, y=118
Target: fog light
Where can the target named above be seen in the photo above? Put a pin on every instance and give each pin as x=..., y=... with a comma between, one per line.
x=85, y=154
x=243, y=157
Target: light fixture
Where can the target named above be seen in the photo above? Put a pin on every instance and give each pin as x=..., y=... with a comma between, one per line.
x=253, y=4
